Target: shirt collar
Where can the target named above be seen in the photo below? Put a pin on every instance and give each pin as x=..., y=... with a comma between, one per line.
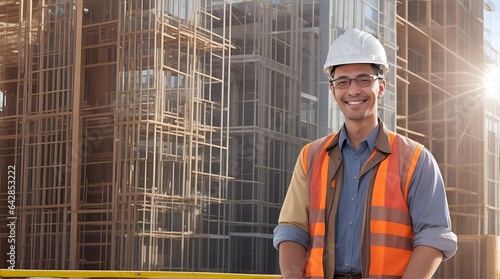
x=371, y=140
x=382, y=141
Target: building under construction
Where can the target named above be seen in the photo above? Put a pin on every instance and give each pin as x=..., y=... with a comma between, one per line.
x=113, y=114
x=443, y=102
x=161, y=135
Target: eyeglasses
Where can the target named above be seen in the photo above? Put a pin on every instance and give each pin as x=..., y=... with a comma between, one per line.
x=361, y=81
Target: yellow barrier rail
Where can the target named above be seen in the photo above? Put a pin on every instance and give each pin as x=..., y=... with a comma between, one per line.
x=32, y=273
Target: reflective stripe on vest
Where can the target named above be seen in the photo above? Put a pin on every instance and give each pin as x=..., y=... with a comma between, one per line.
x=390, y=228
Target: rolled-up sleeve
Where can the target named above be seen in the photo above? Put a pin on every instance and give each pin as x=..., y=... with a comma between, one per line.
x=293, y=222
x=290, y=233
x=429, y=208
x=439, y=238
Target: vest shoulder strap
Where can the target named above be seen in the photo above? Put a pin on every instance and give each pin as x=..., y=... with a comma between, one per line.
x=408, y=154
x=313, y=149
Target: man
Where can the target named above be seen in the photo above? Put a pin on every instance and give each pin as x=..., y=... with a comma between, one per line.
x=363, y=202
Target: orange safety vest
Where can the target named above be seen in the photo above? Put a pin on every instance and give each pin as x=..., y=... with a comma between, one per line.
x=388, y=236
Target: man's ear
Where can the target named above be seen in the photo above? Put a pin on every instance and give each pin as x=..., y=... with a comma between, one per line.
x=332, y=88
x=381, y=87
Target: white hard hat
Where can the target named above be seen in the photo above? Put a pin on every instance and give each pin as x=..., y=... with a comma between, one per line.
x=354, y=47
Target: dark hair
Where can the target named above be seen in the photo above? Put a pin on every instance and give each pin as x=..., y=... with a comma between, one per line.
x=376, y=69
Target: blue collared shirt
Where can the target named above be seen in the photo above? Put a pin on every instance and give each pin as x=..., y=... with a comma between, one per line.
x=351, y=203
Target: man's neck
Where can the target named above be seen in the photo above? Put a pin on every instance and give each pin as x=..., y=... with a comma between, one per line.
x=358, y=131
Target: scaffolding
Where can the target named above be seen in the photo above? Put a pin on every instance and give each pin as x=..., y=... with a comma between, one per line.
x=113, y=114
x=130, y=154
x=442, y=104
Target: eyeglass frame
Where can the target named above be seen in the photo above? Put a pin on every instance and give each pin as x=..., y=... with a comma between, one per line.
x=372, y=77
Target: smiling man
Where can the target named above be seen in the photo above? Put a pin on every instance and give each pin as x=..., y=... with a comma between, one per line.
x=363, y=202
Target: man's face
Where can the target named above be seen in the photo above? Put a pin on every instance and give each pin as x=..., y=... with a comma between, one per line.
x=358, y=103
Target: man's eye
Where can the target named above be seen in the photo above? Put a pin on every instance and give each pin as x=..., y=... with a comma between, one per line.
x=364, y=80
x=341, y=82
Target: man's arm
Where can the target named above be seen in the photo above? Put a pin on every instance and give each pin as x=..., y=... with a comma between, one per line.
x=428, y=208
x=291, y=236
x=292, y=257
x=423, y=263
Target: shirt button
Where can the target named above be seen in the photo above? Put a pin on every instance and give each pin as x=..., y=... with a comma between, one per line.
x=350, y=222
x=355, y=177
x=346, y=264
x=348, y=244
x=356, y=157
x=352, y=199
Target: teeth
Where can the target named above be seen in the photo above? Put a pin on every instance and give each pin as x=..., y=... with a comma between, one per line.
x=355, y=102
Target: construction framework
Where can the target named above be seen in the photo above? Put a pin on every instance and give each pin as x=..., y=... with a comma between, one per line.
x=131, y=154
x=442, y=103
x=113, y=114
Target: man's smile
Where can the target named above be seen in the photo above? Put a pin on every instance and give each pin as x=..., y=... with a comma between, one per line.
x=356, y=102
